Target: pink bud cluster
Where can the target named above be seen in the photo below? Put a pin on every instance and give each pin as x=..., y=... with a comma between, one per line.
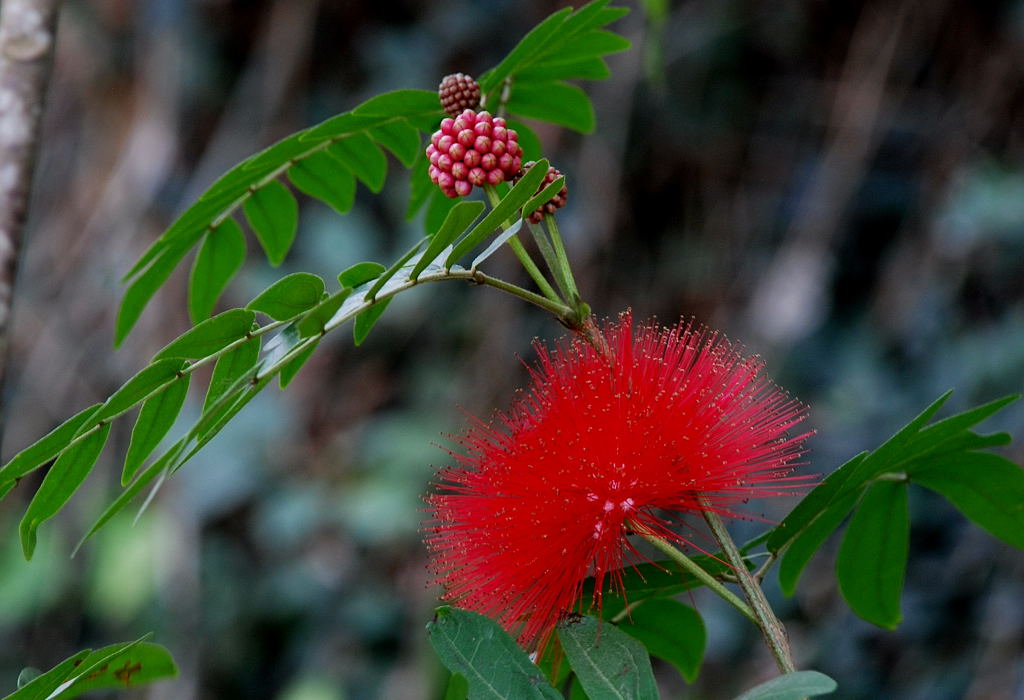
x=473, y=149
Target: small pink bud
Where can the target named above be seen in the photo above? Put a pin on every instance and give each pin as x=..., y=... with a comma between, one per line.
x=462, y=188
x=484, y=117
x=517, y=164
x=477, y=176
x=446, y=125
x=495, y=177
x=512, y=134
x=482, y=144
x=498, y=148
x=514, y=149
x=444, y=143
x=435, y=137
x=472, y=158
x=459, y=171
x=489, y=161
x=466, y=138
x=469, y=117
x=450, y=192
x=433, y=171
x=458, y=125
x=445, y=181
x=498, y=133
x=499, y=121
x=457, y=151
x=482, y=128
x=444, y=162
x=505, y=163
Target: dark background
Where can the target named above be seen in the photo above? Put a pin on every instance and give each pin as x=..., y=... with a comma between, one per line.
x=839, y=186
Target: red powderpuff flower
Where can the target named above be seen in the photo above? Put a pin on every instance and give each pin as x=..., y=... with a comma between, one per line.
x=636, y=429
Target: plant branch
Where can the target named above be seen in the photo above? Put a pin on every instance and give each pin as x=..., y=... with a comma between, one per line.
x=772, y=630
x=27, y=37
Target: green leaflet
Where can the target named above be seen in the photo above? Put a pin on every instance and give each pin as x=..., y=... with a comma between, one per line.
x=609, y=664
x=64, y=477
x=273, y=214
x=873, y=556
x=792, y=686
x=458, y=220
x=399, y=137
x=124, y=665
x=210, y=336
x=987, y=488
x=155, y=419
x=46, y=448
x=366, y=320
x=322, y=177
x=289, y=296
x=143, y=287
x=149, y=379
x=509, y=205
x=360, y=273
x=806, y=544
x=361, y=156
x=671, y=631
x=494, y=666
x=219, y=259
x=558, y=103
x=229, y=367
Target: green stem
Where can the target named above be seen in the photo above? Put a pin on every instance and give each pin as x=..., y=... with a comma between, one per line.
x=694, y=569
x=771, y=628
x=524, y=258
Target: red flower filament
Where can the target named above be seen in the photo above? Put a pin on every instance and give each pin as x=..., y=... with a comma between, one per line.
x=634, y=432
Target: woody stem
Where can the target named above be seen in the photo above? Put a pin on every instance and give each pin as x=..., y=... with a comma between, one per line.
x=771, y=628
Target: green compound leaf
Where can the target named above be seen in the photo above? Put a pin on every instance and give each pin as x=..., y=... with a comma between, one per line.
x=289, y=296
x=411, y=103
x=210, y=336
x=609, y=664
x=912, y=448
x=322, y=177
x=361, y=156
x=218, y=261
x=986, y=488
x=493, y=665
x=64, y=477
x=792, y=686
x=273, y=214
x=558, y=103
x=155, y=420
x=873, y=555
x=46, y=448
x=671, y=631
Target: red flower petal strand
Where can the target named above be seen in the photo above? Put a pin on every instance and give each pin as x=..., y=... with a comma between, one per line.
x=540, y=501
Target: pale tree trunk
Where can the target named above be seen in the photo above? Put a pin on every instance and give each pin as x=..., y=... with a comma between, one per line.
x=27, y=37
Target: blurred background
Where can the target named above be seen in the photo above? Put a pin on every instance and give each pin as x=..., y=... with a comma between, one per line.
x=839, y=186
